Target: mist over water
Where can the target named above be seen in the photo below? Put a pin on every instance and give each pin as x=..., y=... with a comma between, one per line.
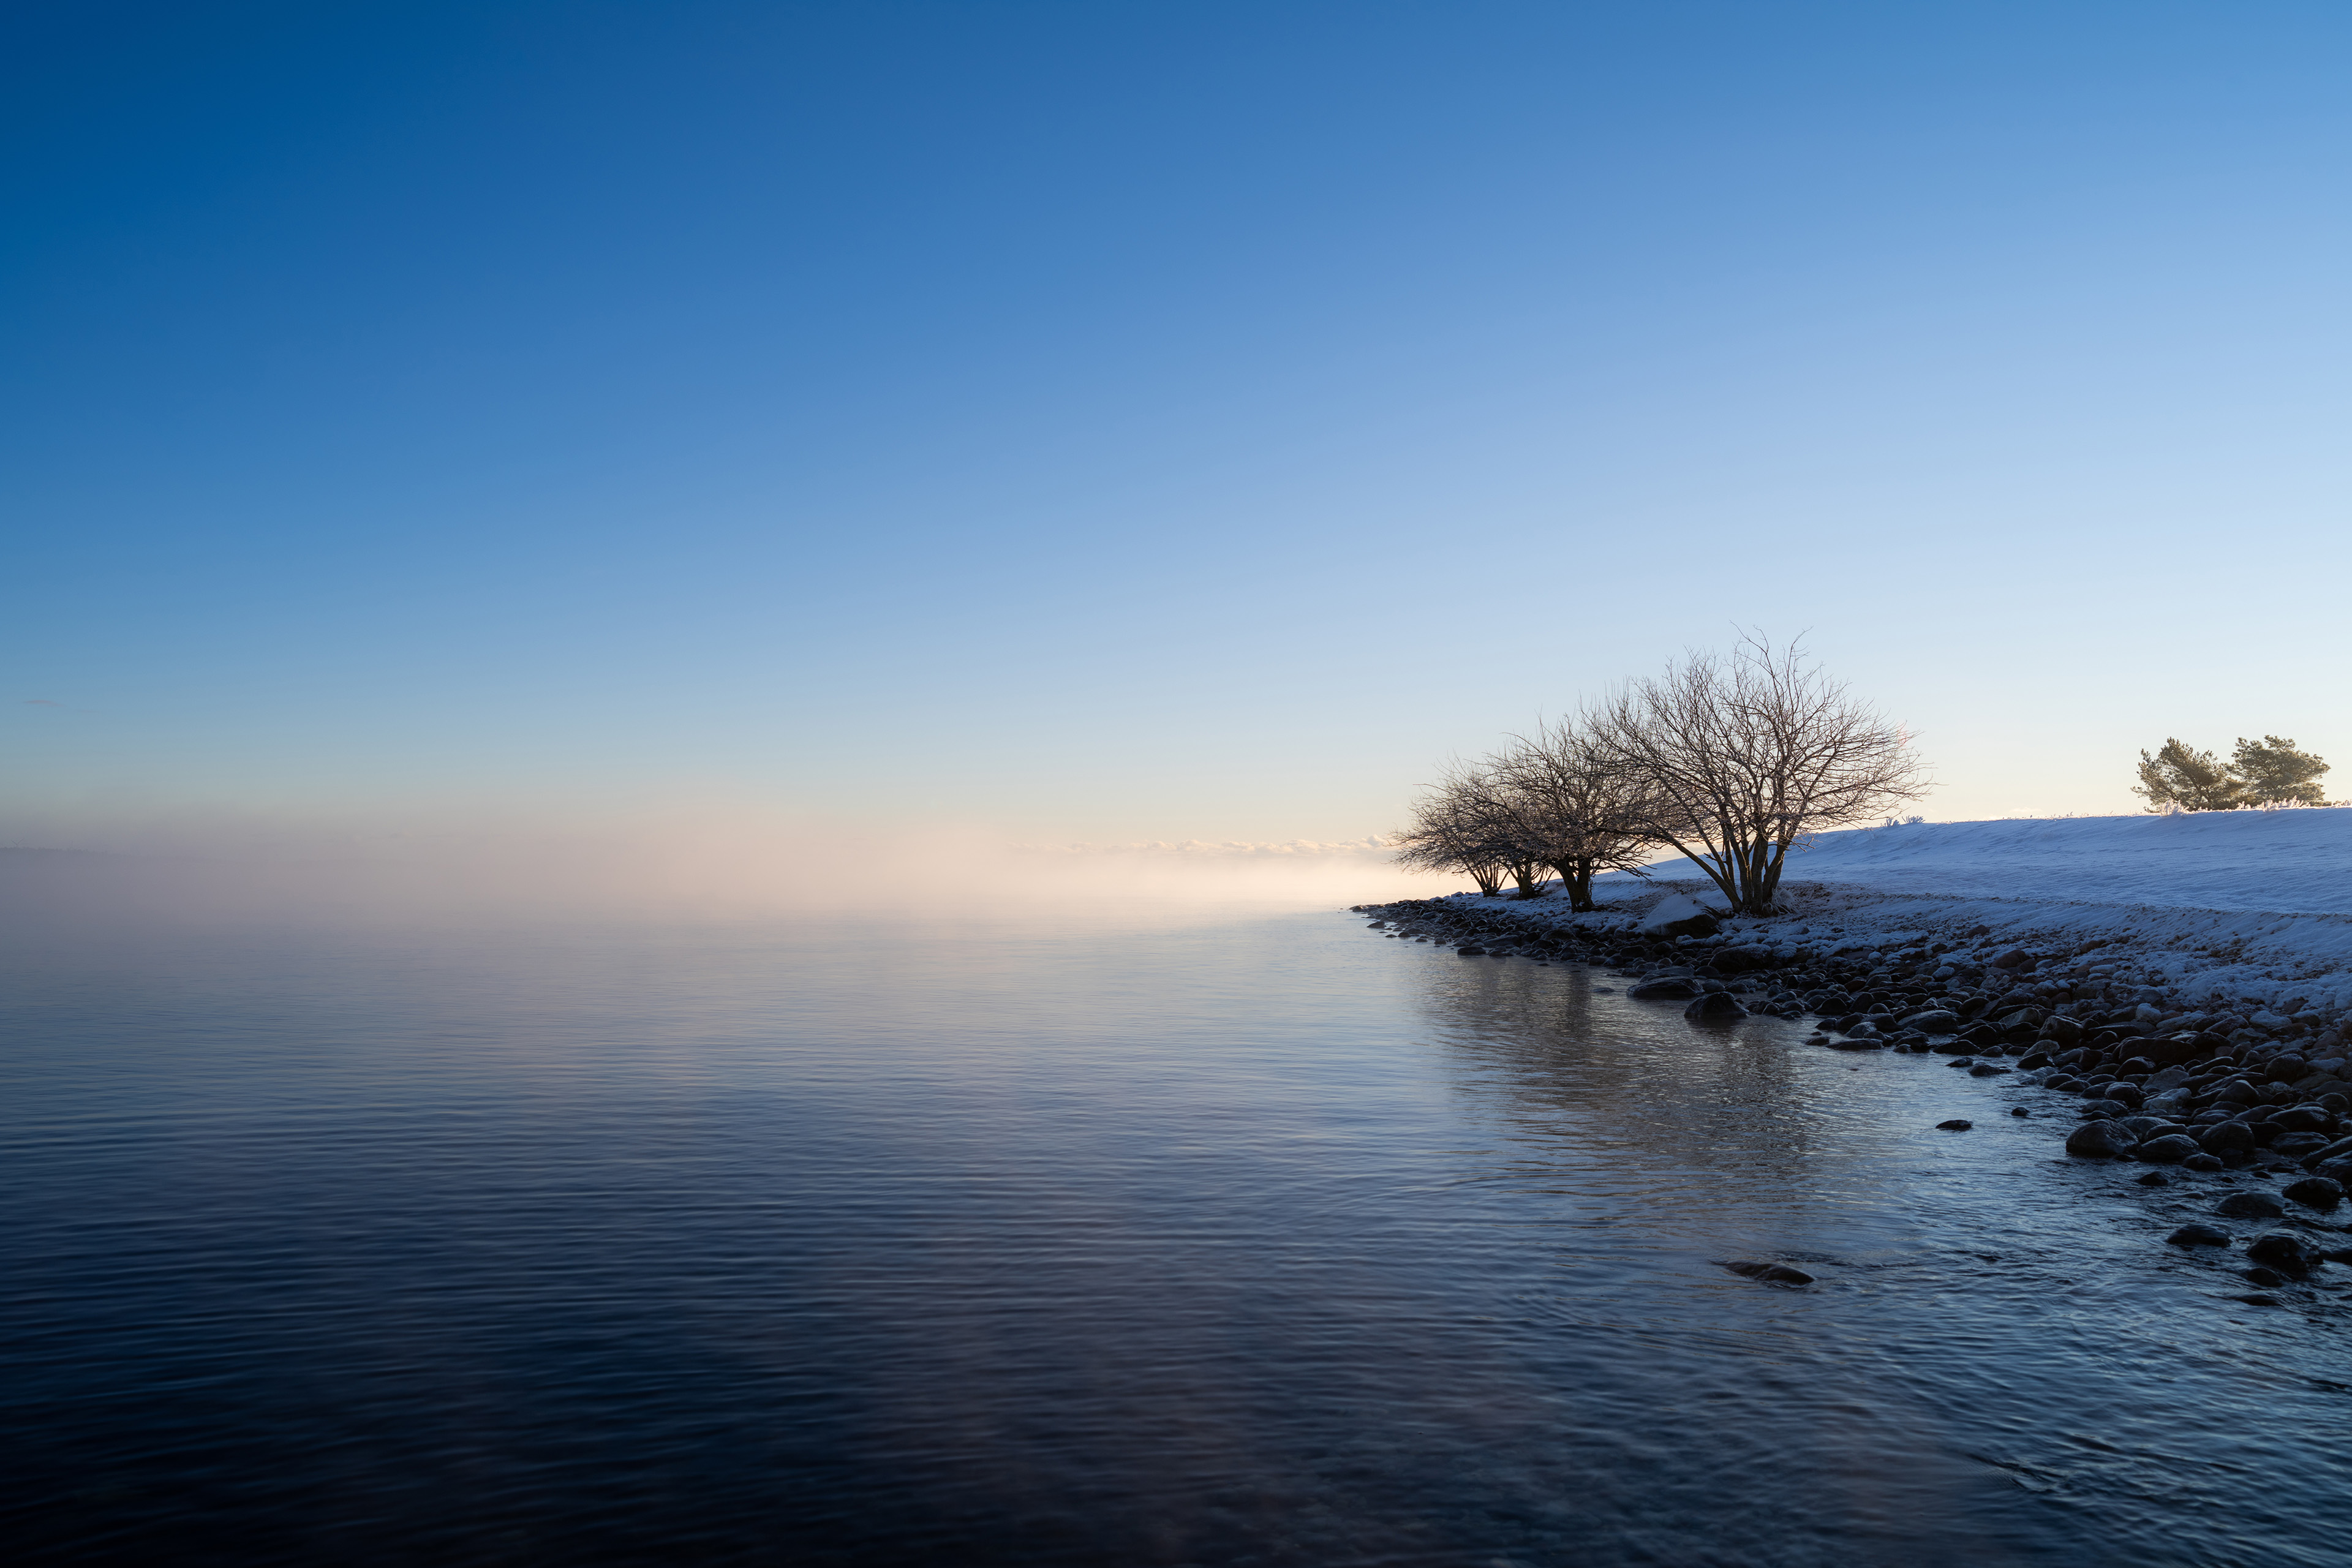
x=1003, y=1233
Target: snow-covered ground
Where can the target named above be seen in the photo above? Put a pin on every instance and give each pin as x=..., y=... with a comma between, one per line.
x=2254, y=904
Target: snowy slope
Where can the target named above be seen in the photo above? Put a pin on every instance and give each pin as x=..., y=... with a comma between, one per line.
x=2288, y=862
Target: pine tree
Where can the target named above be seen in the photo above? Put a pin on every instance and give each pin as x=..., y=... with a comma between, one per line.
x=2182, y=778
x=2275, y=773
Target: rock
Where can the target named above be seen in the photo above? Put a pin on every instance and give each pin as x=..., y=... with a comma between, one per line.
x=2168, y=1150
x=2200, y=1162
x=2015, y=958
x=1986, y=1069
x=2098, y=1140
x=1743, y=960
x=1934, y=1021
x=1954, y=1125
x=1471, y=951
x=1771, y=1273
x=2340, y=1149
x=1857, y=1043
x=2283, y=1251
x=1714, y=1009
x=2152, y=1179
x=2249, y=1205
x=2018, y=1111
x=2259, y=1274
x=2225, y=1136
x=1671, y=989
x=2315, y=1192
x=2198, y=1235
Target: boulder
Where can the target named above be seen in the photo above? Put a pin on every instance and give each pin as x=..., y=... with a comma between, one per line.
x=1716, y=1007
x=2286, y=1253
x=1672, y=988
x=2226, y=1138
x=2100, y=1139
x=2340, y=1149
x=2198, y=1235
x=2315, y=1192
x=2015, y=958
x=1934, y=1021
x=1743, y=960
x=2249, y=1205
x=2169, y=1149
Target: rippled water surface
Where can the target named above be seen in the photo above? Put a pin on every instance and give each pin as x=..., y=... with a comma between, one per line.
x=1268, y=1242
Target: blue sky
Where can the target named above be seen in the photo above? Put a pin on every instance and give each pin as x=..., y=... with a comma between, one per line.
x=1151, y=421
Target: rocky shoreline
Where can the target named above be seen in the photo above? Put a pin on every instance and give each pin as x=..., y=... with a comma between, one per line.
x=2235, y=1094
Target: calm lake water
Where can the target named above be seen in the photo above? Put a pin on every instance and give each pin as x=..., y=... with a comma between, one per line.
x=1266, y=1241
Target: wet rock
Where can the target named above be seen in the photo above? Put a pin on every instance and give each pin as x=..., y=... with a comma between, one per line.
x=2198, y=1235
x=2015, y=958
x=2168, y=1150
x=1986, y=1069
x=2018, y=1111
x=2100, y=1139
x=1471, y=951
x=2249, y=1205
x=1934, y=1021
x=1672, y=989
x=2152, y=1179
x=2287, y=1253
x=2340, y=1149
x=1717, y=1007
x=1954, y=1125
x=2258, y=1275
x=2200, y=1162
x=2315, y=1192
x=2225, y=1136
x=1771, y=1273
x=1858, y=1043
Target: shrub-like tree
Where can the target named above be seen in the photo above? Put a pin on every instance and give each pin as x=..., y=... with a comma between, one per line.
x=1742, y=757
x=2179, y=777
x=1579, y=810
x=1453, y=829
x=2275, y=773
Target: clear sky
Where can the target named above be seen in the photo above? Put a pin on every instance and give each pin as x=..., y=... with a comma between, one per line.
x=1151, y=421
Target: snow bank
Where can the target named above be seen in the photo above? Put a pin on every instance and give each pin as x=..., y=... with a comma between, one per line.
x=2255, y=905
x=2288, y=862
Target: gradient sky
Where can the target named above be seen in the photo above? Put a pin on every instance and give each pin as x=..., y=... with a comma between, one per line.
x=1110, y=421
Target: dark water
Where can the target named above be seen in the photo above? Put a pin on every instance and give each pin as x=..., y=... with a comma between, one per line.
x=1263, y=1242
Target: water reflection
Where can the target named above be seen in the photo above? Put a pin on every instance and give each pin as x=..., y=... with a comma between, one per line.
x=1260, y=1243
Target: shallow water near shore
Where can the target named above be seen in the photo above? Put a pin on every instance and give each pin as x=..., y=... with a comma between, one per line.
x=1262, y=1240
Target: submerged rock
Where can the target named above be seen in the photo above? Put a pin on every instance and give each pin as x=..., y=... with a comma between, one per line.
x=1716, y=1007
x=1771, y=1273
x=1673, y=988
x=2198, y=1235
x=2249, y=1205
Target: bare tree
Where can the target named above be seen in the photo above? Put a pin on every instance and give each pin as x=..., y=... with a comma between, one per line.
x=1742, y=757
x=1455, y=829
x=1575, y=806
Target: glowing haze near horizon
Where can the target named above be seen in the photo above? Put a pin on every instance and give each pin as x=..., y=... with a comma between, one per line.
x=1054, y=422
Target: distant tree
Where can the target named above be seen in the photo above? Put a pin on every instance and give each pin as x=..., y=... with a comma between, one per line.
x=2275, y=773
x=1740, y=758
x=2181, y=778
